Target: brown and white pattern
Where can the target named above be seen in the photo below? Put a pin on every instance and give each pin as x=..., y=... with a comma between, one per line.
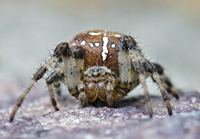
x=100, y=66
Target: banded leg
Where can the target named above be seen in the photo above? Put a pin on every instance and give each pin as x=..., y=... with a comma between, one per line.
x=110, y=90
x=156, y=77
x=73, y=65
x=49, y=81
x=54, y=78
x=82, y=95
x=50, y=88
x=150, y=68
x=144, y=86
x=39, y=74
x=126, y=74
x=140, y=65
x=83, y=98
x=131, y=62
x=137, y=63
x=165, y=81
x=56, y=84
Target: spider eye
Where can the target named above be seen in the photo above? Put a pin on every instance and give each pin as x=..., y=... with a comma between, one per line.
x=95, y=74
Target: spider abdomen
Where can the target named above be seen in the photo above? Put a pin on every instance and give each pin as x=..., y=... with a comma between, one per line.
x=100, y=48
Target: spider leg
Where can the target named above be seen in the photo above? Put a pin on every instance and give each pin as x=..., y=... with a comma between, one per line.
x=156, y=77
x=82, y=95
x=166, y=81
x=73, y=67
x=50, y=88
x=58, y=76
x=149, y=67
x=130, y=62
x=144, y=86
x=56, y=84
x=127, y=76
x=141, y=65
x=49, y=81
x=110, y=90
x=83, y=98
x=39, y=74
x=137, y=63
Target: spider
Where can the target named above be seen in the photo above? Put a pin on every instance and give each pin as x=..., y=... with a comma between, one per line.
x=100, y=66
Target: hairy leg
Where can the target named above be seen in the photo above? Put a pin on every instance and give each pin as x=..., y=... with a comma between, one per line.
x=110, y=90
x=82, y=95
x=142, y=66
x=137, y=63
x=73, y=66
x=49, y=81
x=56, y=84
x=165, y=80
x=39, y=74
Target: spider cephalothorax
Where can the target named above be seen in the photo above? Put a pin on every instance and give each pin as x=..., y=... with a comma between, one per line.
x=100, y=65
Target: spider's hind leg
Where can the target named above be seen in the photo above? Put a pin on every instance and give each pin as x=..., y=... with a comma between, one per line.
x=165, y=81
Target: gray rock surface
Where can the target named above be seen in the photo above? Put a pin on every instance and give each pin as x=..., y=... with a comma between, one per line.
x=128, y=119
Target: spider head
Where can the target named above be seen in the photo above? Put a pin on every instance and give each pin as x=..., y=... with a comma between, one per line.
x=97, y=73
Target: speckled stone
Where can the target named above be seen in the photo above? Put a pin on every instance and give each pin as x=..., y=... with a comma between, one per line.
x=127, y=119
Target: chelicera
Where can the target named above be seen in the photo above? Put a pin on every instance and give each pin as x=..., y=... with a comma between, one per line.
x=100, y=66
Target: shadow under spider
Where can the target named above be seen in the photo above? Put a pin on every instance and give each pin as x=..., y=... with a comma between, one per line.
x=136, y=101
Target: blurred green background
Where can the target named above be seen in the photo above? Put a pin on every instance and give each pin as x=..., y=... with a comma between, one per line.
x=169, y=31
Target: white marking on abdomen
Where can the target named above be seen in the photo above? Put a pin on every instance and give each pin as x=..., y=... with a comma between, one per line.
x=83, y=42
x=105, y=48
x=117, y=35
x=73, y=44
x=97, y=44
x=94, y=33
x=90, y=44
x=113, y=45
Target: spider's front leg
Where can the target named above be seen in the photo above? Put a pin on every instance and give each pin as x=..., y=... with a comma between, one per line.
x=49, y=82
x=142, y=67
x=73, y=67
x=39, y=74
x=56, y=85
x=54, y=77
x=141, y=64
x=132, y=72
x=82, y=95
x=111, y=83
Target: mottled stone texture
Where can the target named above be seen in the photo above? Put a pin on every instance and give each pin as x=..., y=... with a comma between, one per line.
x=128, y=119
